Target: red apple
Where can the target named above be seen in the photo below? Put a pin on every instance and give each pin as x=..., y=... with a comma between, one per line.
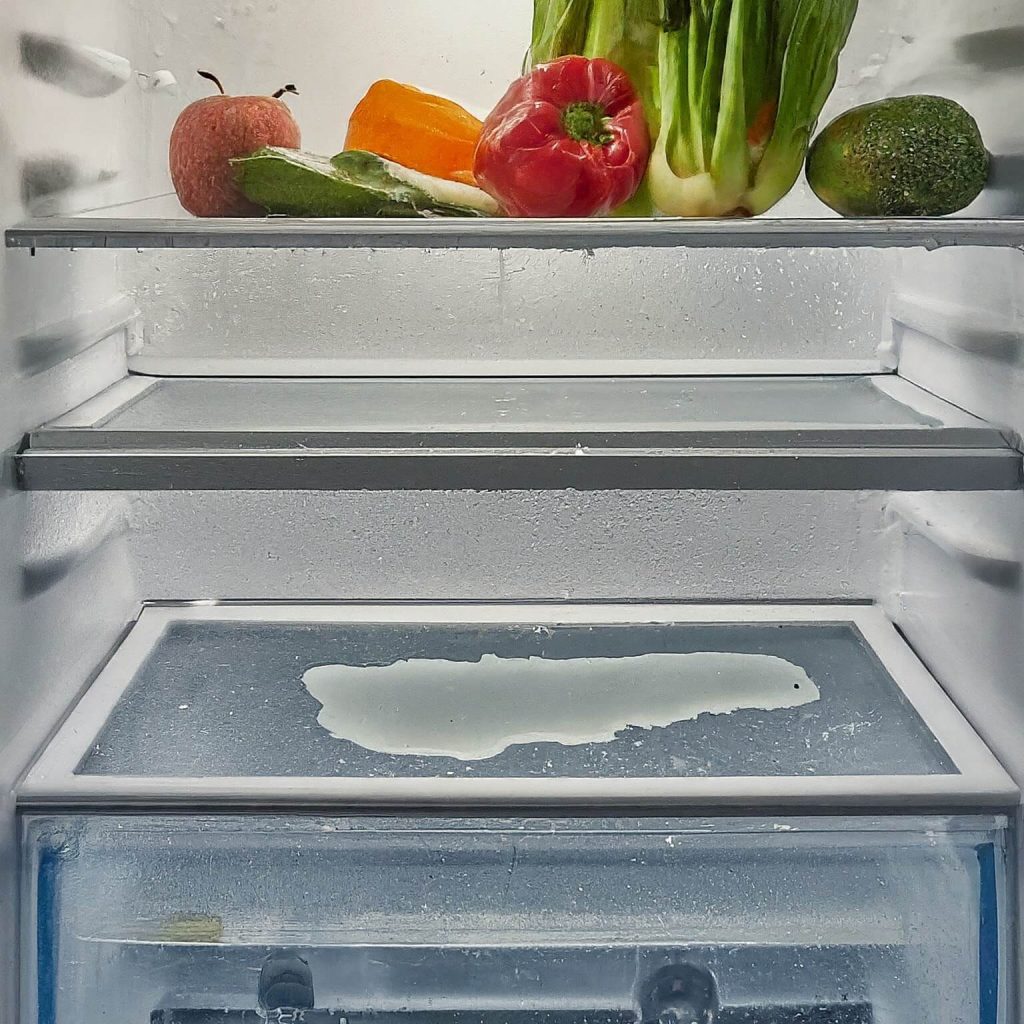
x=210, y=133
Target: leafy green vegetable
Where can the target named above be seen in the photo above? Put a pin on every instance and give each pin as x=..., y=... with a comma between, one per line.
x=353, y=184
x=733, y=88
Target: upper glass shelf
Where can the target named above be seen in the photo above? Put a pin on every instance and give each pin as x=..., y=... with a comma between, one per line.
x=159, y=223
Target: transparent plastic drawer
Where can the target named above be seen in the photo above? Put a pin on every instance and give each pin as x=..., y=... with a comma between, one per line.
x=335, y=920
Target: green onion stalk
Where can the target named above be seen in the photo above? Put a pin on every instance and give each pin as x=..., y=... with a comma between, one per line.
x=733, y=89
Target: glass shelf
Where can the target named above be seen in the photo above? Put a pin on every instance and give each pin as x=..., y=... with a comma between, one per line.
x=499, y=706
x=158, y=223
x=828, y=433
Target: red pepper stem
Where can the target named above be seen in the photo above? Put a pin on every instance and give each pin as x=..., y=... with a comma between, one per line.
x=586, y=122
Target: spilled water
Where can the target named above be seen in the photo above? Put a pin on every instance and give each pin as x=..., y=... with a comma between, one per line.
x=475, y=710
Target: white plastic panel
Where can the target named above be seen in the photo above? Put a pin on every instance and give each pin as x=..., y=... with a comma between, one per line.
x=458, y=312
x=516, y=546
x=950, y=553
x=959, y=331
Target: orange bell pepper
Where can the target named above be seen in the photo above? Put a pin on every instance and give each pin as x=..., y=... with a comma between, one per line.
x=416, y=129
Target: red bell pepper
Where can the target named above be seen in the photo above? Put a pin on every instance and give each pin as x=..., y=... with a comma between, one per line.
x=569, y=139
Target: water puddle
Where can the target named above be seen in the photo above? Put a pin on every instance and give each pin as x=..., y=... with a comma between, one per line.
x=475, y=710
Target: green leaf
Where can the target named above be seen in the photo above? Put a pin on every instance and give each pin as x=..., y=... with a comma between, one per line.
x=559, y=28
x=606, y=31
x=696, y=32
x=819, y=30
x=675, y=138
x=730, y=162
x=760, y=81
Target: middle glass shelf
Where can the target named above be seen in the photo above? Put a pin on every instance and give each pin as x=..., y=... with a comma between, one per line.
x=775, y=433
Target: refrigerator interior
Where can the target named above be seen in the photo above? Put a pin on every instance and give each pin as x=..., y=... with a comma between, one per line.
x=226, y=345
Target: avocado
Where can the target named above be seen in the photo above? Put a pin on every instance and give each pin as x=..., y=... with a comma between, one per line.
x=912, y=156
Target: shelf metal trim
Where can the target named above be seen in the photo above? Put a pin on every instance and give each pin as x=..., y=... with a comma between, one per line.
x=369, y=368
x=114, y=232
x=982, y=782
x=433, y=469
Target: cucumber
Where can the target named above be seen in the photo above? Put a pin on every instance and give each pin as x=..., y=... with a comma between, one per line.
x=353, y=184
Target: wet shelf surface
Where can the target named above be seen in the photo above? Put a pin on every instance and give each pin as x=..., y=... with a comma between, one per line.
x=236, y=689
x=718, y=703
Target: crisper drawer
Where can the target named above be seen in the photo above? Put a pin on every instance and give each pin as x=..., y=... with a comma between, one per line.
x=327, y=920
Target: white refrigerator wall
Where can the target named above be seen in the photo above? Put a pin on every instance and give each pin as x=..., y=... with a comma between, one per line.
x=618, y=545
x=955, y=578
x=958, y=330
x=958, y=315
x=65, y=583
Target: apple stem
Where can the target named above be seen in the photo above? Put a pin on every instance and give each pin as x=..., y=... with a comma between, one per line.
x=209, y=76
x=287, y=88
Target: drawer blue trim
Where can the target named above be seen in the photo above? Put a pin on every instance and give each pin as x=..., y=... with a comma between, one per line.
x=988, y=935
x=47, y=933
